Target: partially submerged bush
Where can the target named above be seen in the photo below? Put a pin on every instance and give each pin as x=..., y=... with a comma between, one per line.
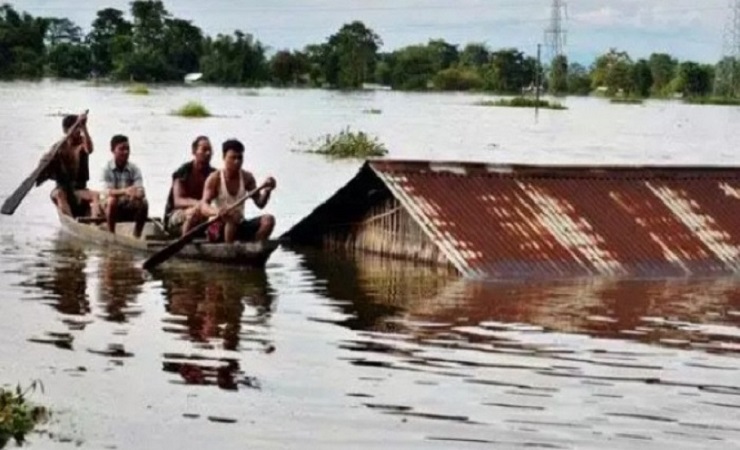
x=348, y=144
x=721, y=101
x=457, y=79
x=192, y=109
x=521, y=102
x=138, y=89
x=17, y=416
x=627, y=100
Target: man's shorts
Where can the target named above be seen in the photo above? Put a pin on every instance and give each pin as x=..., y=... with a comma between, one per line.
x=176, y=220
x=125, y=209
x=246, y=231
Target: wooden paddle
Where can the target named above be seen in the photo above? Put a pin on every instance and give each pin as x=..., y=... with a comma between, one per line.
x=172, y=249
x=11, y=203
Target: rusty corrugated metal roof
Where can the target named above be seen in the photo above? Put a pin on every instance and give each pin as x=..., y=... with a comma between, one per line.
x=516, y=221
x=502, y=221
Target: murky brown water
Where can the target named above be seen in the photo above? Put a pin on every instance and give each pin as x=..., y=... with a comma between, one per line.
x=324, y=351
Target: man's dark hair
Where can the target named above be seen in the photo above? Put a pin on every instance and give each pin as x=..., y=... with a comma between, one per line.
x=68, y=121
x=197, y=140
x=234, y=145
x=117, y=139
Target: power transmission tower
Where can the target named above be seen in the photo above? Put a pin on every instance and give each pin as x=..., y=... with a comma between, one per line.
x=555, y=34
x=727, y=80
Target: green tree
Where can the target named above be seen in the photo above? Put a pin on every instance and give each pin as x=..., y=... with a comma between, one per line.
x=110, y=38
x=21, y=44
x=694, y=80
x=509, y=71
x=458, y=79
x=444, y=55
x=287, y=68
x=237, y=59
x=642, y=78
x=613, y=71
x=413, y=68
x=559, y=75
x=728, y=78
x=351, y=54
x=663, y=70
x=184, y=44
x=474, y=55
x=147, y=61
x=579, y=80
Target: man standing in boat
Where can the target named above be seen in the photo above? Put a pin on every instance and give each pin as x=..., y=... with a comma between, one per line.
x=183, y=202
x=124, y=198
x=224, y=187
x=71, y=172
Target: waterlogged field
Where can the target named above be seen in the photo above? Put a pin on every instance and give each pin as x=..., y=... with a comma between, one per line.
x=322, y=351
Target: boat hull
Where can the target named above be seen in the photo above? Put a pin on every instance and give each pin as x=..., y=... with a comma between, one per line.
x=154, y=238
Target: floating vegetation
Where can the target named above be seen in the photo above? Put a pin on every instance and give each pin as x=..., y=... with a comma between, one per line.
x=522, y=102
x=17, y=416
x=627, y=101
x=722, y=101
x=193, y=110
x=348, y=144
x=372, y=111
x=138, y=89
x=250, y=93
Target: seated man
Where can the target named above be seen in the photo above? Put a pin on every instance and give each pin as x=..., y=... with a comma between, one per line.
x=71, y=171
x=223, y=188
x=124, y=198
x=183, y=211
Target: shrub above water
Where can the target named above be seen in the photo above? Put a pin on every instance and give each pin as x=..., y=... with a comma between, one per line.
x=138, y=89
x=522, y=102
x=192, y=109
x=348, y=144
x=17, y=416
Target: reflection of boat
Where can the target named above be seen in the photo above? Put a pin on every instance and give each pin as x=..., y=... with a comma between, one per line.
x=228, y=308
x=252, y=254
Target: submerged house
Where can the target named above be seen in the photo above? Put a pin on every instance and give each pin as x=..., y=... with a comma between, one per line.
x=497, y=221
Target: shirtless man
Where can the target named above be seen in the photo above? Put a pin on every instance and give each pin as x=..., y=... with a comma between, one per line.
x=183, y=202
x=72, y=172
x=225, y=186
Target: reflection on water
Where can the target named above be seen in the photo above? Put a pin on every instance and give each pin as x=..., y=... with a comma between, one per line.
x=228, y=308
x=389, y=295
x=60, y=276
x=121, y=283
x=597, y=355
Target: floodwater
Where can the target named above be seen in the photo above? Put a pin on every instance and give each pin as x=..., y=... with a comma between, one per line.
x=332, y=351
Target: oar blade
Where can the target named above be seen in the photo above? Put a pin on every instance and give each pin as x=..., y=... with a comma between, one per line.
x=11, y=203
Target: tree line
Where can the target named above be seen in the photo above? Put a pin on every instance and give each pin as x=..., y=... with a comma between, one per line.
x=154, y=46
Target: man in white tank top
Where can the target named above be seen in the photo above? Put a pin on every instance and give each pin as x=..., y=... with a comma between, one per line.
x=223, y=187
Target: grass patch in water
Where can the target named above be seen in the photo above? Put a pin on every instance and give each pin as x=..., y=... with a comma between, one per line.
x=521, y=102
x=721, y=101
x=18, y=417
x=250, y=93
x=348, y=144
x=138, y=89
x=372, y=111
x=192, y=110
x=626, y=101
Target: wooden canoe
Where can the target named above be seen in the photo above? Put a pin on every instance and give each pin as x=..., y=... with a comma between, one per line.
x=154, y=238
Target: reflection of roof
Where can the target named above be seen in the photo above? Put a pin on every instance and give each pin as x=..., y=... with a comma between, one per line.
x=503, y=221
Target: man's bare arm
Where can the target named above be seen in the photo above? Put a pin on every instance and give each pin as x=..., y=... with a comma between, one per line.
x=178, y=193
x=210, y=191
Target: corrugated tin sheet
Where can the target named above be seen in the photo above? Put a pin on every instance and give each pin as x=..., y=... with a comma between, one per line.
x=510, y=221
x=503, y=221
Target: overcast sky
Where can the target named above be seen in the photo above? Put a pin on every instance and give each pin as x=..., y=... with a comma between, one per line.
x=689, y=29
